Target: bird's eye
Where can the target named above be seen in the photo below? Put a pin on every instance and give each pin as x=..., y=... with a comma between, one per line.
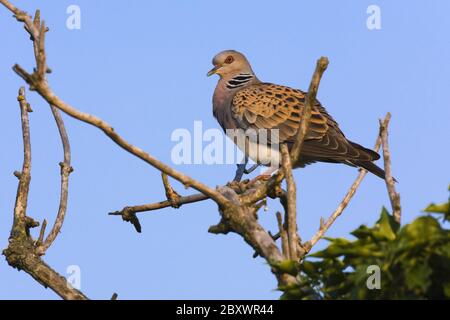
x=229, y=59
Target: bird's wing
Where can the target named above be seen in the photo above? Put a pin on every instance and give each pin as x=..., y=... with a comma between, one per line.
x=270, y=106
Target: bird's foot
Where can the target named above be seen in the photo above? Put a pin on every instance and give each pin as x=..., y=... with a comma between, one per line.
x=251, y=169
x=242, y=169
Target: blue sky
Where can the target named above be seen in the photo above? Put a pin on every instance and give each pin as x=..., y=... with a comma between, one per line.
x=141, y=66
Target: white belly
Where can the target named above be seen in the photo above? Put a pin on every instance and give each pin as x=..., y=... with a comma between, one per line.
x=262, y=152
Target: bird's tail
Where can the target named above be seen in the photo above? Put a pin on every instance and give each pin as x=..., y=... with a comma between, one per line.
x=371, y=167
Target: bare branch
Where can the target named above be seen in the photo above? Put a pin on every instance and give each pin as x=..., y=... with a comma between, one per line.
x=324, y=226
x=129, y=213
x=21, y=252
x=24, y=17
x=291, y=204
x=41, y=59
x=66, y=169
x=310, y=100
x=390, y=181
x=163, y=204
x=20, y=208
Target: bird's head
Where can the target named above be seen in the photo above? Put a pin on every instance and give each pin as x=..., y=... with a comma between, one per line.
x=230, y=63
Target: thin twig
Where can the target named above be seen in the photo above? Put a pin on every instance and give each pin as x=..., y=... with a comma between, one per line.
x=394, y=196
x=20, y=208
x=163, y=204
x=22, y=16
x=129, y=213
x=37, y=25
x=41, y=57
x=66, y=169
x=324, y=226
x=310, y=100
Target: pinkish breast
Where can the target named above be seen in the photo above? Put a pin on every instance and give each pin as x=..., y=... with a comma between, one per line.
x=222, y=106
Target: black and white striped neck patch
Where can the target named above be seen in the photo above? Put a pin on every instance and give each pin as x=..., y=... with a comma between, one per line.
x=239, y=80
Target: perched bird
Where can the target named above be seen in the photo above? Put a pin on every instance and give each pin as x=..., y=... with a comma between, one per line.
x=242, y=101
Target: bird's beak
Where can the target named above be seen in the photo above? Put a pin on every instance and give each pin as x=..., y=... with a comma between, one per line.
x=213, y=71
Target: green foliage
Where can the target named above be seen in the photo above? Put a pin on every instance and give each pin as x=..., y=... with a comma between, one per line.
x=413, y=260
x=286, y=266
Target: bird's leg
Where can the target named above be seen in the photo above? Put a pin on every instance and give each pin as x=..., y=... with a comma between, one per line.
x=240, y=170
x=251, y=169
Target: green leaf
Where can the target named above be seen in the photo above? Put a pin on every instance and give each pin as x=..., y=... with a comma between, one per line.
x=438, y=208
x=418, y=277
x=362, y=232
x=387, y=226
x=286, y=266
x=423, y=229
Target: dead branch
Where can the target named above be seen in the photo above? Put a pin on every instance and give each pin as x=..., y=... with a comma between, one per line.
x=66, y=169
x=22, y=252
x=20, y=208
x=129, y=213
x=390, y=181
x=310, y=100
x=324, y=226
x=291, y=211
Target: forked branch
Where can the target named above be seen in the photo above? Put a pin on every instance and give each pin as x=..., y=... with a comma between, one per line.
x=22, y=252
